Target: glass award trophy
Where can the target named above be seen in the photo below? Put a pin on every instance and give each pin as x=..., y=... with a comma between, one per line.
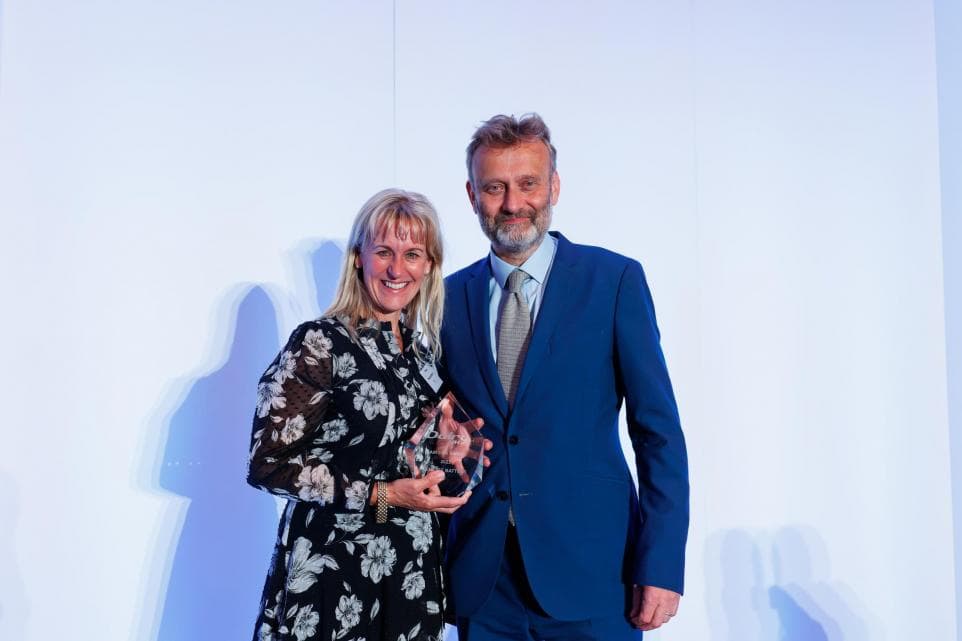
x=450, y=441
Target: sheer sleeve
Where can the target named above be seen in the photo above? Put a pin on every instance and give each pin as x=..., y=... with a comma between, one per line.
x=292, y=454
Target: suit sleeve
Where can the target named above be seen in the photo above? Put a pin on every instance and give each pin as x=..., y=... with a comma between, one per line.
x=661, y=459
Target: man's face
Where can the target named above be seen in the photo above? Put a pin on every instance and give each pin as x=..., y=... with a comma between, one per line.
x=512, y=193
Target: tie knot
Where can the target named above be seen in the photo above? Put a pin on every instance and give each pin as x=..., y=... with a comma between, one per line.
x=515, y=280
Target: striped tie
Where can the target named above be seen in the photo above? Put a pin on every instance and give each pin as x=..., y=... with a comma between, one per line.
x=514, y=330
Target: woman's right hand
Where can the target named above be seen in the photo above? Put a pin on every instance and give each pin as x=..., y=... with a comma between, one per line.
x=423, y=494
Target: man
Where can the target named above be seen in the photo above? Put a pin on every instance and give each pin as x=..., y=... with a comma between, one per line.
x=544, y=339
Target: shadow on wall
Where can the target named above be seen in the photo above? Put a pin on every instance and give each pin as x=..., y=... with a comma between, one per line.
x=218, y=560
x=325, y=269
x=13, y=602
x=767, y=587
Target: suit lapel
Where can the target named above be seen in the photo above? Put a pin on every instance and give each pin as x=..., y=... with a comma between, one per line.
x=554, y=308
x=478, y=312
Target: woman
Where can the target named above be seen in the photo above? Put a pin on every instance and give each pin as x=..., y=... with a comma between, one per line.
x=358, y=547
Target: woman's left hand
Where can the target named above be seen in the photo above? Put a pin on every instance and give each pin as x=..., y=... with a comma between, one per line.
x=424, y=495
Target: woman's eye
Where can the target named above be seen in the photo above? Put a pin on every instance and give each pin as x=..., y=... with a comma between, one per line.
x=383, y=253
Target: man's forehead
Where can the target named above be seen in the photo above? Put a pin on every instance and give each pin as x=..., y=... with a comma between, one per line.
x=521, y=151
x=534, y=145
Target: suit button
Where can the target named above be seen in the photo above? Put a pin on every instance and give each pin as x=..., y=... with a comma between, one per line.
x=502, y=495
x=513, y=440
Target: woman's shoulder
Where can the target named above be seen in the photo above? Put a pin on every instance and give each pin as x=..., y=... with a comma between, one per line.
x=322, y=334
x=324, y=324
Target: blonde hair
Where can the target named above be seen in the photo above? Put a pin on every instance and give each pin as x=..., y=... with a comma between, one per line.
x=404, y=213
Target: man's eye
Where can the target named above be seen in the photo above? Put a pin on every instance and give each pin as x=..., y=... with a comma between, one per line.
x=529, y=184
x=494, y=189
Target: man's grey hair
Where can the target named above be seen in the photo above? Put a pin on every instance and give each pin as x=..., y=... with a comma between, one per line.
x=506, y=131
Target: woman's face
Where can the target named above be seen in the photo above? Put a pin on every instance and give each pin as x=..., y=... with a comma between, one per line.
x=393, y=267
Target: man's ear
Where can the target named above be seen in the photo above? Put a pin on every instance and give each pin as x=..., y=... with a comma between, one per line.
x=555, y=188
x=471, y=196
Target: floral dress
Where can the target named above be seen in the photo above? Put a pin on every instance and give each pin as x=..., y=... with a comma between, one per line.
x=332, y=415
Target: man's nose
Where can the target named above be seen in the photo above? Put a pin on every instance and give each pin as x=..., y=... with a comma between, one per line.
x=513, y=201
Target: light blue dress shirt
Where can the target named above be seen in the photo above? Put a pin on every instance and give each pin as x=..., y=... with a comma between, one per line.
x=538, y=266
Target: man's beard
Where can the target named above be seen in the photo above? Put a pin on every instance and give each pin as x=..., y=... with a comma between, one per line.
x=517, y=238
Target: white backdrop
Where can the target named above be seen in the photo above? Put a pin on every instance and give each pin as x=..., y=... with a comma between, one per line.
x=175, y=180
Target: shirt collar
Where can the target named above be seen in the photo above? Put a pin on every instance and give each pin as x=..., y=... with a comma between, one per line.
x=536, y=266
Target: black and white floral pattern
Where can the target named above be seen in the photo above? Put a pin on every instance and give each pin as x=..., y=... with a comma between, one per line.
x=331, y=416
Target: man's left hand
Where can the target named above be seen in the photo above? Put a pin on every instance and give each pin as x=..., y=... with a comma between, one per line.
x=652, y=607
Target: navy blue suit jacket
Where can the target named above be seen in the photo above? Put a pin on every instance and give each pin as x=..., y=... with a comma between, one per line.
x=585, y=530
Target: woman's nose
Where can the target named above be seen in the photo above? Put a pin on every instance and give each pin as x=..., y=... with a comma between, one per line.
x=394, y=268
